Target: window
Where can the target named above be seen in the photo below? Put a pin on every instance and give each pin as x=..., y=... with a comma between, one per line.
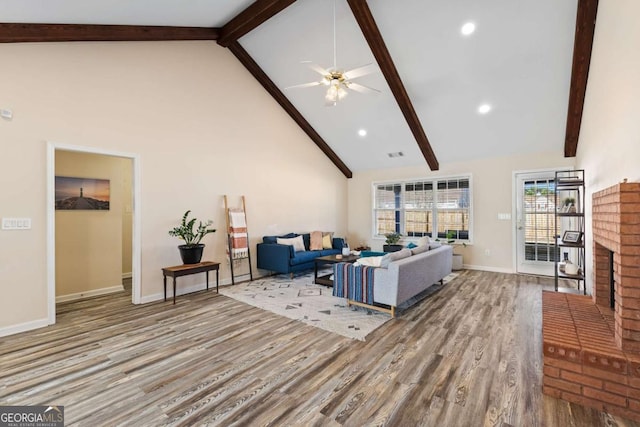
x=440, y=208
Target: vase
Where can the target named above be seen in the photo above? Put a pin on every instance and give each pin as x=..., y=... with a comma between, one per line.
x=191, y=254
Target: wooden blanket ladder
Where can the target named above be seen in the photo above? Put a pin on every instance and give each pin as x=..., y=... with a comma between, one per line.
x=237, y=237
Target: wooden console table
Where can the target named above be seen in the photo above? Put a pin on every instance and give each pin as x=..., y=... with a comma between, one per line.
x=185, y=270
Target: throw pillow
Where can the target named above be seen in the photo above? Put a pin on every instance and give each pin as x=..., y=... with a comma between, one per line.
x=434, y=245
x=327, y=240
x=296, y=242
x=423, y=241
x=316, y=241
x=384, y=262
x=371, y=261
x=419, y=250
x=404, y=253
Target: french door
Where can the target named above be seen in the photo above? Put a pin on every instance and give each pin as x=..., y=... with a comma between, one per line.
x=535, y=223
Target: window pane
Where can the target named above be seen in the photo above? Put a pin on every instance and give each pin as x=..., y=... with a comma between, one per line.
x=388, y=196
x=418, y=204
x=386, y=221
x=418, y=223
x=453, y=209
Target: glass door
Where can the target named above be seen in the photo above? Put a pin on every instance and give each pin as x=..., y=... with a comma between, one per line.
x=535, y=223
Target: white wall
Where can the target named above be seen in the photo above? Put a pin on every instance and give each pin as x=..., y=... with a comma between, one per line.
x=609, y=145
x=201, y=126
x=492, y=194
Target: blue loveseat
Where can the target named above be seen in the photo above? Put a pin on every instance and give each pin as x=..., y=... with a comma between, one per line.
x=284, y=259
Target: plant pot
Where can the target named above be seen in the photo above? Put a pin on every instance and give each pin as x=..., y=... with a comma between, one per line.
x=191, y=254
x=391, y=248
x=456, y=264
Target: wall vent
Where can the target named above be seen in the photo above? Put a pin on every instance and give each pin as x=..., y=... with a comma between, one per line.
x=396, y=154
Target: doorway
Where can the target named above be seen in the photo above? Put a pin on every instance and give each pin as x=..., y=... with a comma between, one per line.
x=535, y=223
x=56, y=152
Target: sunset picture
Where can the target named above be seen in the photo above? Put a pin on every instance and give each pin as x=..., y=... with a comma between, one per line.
x=81, y=193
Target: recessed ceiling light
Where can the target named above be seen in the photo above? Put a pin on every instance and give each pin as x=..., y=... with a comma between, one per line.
x=468, y=28
x=362, y=132
x=484, y=108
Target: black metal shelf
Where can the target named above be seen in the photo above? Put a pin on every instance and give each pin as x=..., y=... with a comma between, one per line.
x=570, y=181
x=570, y=245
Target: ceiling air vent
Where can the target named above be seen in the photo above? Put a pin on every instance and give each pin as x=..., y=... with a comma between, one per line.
x=396, y=154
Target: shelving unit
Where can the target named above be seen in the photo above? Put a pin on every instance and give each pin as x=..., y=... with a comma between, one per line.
x=570, y=224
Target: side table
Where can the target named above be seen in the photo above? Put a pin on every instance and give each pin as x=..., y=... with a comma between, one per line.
x=185, y=270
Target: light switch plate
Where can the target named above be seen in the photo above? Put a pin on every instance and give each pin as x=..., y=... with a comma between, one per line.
x=16, y=223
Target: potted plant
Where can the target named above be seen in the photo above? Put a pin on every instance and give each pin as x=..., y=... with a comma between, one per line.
x=191, y=250
x=569, y=205
x=391, y=244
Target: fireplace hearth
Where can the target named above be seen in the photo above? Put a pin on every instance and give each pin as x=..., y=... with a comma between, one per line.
x=591, y=345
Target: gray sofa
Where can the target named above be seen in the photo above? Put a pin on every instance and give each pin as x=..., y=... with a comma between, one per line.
x=406, y=275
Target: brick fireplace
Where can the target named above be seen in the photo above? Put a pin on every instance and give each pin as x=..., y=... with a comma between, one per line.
x=591, y=350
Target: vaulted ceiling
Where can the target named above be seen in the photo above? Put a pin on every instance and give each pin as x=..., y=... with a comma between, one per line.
x=527, y=60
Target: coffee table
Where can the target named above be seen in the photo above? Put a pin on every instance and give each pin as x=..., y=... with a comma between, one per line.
x=329, y=259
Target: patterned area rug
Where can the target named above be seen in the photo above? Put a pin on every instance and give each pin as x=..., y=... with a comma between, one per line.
x=300, y=299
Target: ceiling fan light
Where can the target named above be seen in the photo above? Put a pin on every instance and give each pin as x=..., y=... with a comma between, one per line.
x=341, y=93
x=332, y=95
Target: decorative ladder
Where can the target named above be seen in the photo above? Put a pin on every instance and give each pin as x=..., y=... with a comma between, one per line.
x=237, y=237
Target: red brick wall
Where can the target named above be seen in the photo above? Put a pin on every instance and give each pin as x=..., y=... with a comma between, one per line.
x=616, y=228
x=582, y=363
x=591, y=353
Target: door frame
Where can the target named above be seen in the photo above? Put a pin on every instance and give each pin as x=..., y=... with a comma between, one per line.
x=514, y=208
x=51, y=223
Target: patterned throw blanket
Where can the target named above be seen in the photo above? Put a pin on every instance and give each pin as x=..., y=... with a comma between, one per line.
x=353, y=282
x=238, y=234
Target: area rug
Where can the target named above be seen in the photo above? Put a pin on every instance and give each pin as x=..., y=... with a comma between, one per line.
x=302, y=300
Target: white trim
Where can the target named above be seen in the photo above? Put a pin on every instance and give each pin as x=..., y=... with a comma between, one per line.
x=128, y=275
x=51, y=242
x=51, y=234
x=514, y=207
x=89, y=294
x=23, y=327
x=490, y=269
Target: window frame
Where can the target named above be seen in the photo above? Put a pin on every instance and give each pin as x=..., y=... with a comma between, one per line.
x=434, y=211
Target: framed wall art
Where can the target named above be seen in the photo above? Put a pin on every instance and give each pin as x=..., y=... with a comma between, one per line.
x=73, y=193
x=572, y=237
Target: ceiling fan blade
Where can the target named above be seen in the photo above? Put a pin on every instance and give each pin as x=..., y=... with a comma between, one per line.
x=360, y=71
x=361, y=88
x=304, y=85
x=318, y=69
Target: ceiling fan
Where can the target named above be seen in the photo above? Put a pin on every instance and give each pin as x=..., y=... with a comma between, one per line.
x=338, y=81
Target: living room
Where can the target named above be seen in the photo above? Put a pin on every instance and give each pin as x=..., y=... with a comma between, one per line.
x=200, y=126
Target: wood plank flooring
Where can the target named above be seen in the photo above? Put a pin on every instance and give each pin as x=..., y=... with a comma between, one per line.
x=470, y=355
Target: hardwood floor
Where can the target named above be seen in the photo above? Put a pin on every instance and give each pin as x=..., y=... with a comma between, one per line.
x=470, y=355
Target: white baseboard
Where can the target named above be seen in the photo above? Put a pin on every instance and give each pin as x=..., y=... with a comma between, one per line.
x=88, y=294
x=23, y=327
x=491, y=269
x=128, y=275
x=193, y=288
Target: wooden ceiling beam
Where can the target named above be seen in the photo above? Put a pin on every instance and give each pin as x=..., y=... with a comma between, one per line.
x=257, y=72
x=250, y=18
x=379, y=49
x=582, y=46
x=22, y=33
